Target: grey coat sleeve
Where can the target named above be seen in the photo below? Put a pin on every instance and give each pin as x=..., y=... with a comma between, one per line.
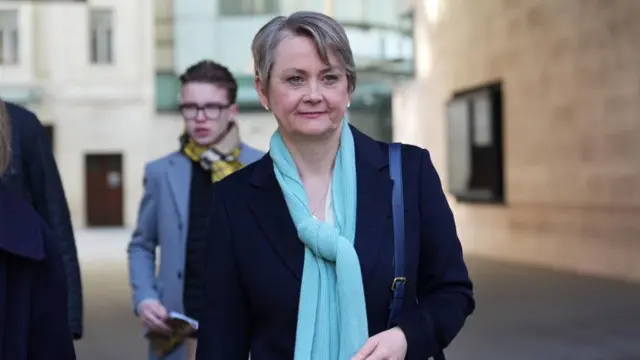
x=142, y=248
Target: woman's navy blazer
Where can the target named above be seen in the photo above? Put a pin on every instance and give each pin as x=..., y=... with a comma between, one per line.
x=255, y=259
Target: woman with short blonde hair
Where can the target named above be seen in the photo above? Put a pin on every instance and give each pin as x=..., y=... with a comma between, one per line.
x=5, y=138
x=303, y=259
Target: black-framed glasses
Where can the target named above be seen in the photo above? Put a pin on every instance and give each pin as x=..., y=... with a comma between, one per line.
x=211, y=111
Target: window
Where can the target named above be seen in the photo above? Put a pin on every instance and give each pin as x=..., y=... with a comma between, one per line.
x=248, y=7
x=101, y=28
x=167, y=90
x=9, y=38
x=475, y=155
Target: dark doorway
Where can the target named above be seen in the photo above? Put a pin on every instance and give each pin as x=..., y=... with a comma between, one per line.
x=104, y=192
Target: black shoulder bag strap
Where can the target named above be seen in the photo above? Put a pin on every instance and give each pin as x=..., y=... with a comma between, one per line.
x=397, y=203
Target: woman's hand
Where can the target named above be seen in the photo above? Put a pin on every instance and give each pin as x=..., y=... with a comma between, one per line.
x=388, y=345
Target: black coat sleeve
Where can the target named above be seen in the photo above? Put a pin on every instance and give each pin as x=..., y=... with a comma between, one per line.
x=48, y=199
x=49, y=336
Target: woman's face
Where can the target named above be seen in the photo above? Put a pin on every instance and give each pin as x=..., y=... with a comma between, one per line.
x=308, y=97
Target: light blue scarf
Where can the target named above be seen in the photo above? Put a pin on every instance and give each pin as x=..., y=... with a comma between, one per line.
x=332, y=317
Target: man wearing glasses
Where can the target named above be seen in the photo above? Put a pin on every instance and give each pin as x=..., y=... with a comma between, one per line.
x=177, y=199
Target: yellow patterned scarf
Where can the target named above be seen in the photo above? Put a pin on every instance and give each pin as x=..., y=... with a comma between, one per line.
x=212, y=159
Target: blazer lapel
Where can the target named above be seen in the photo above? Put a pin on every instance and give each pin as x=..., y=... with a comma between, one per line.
x=179, y=176
x=374, y=200
x=271, y=212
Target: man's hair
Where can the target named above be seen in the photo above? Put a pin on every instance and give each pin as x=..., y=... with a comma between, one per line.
x=210, y=72
x=5, y=138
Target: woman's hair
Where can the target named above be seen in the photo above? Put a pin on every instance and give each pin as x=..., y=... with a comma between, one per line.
x=5, y=138
x=325, y=31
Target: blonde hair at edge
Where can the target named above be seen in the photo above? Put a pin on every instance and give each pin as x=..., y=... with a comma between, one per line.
x=5, y=138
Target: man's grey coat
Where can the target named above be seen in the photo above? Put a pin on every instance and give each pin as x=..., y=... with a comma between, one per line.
x=162, y=223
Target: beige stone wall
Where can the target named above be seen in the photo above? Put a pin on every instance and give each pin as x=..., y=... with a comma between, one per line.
x=571, y=87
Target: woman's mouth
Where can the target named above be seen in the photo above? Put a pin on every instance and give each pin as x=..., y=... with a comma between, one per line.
x=312, y=114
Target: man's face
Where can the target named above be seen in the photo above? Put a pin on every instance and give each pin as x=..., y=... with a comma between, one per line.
x=206, y=111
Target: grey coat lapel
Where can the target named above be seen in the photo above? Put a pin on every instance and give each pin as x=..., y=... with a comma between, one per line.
x=179, y=176
x=249, y=155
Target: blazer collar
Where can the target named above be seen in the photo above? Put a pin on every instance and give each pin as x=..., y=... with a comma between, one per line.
x=20, y=226
x=373, y=206
x=368, y=154
x=179, y=175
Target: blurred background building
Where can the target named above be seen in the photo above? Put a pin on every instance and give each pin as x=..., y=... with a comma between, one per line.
x=530, y=112
x=87, y=70
x=103, y=76
x=552, y=175
x=190, y=30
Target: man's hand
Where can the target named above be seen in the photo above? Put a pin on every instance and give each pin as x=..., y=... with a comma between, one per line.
x=388, y=345
x=153, y=315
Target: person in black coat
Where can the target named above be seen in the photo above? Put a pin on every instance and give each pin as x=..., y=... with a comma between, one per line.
x=33, y=295
x=303, y=254
x=33, y=172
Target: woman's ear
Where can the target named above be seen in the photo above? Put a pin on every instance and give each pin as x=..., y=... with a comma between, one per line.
x=260, y=88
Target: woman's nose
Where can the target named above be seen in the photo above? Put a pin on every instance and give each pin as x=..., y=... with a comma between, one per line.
x=314, y=93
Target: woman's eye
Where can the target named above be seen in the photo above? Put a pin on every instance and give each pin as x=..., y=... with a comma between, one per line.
x=331, y=78
x=294, y=79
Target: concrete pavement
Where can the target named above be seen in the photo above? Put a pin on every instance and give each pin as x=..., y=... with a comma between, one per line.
x=111, y=330
x=522, y=314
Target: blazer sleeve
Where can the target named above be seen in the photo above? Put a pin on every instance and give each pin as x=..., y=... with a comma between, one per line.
x=224, y=327
x=50, y=336
x=444, y=290
x=49, y=200
x=142, y=248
